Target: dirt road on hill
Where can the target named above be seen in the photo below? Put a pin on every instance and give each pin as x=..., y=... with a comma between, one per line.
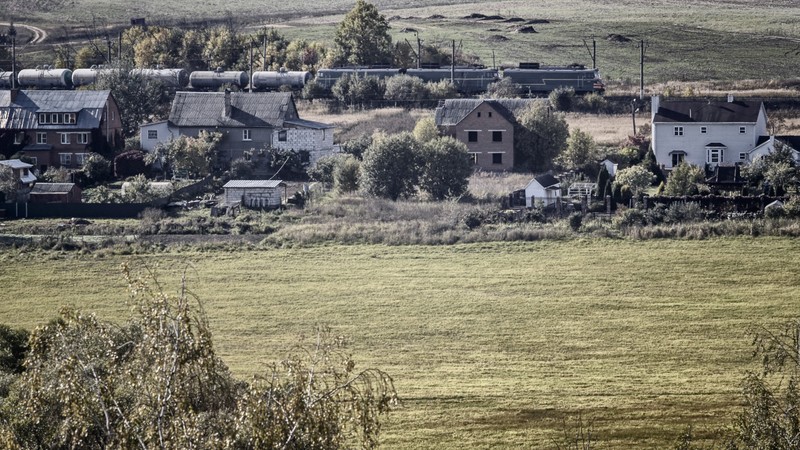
x=39, y=35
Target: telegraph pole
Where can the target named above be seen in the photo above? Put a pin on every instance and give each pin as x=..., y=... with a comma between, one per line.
x=592, y=52
x=12, y=32
x=419, y=51
x=642, y=46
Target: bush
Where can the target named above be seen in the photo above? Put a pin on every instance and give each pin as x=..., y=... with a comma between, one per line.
x=129, y=163
x=347, y=174
x=562, y=99
x=575, y=221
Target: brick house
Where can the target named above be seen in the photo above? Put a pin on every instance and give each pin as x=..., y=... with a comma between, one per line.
x=486, y=126
x=247, y=121
x=59, y=128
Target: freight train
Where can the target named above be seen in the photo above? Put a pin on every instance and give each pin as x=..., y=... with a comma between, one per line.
x=532, y=78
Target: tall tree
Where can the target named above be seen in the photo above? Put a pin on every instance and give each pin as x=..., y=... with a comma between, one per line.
x=362, y=38
x=581, y=151
x=391, y=166
x=540, y=135
x=139, y=100
x=446, y=167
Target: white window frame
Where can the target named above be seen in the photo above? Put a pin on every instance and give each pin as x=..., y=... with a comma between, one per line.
x=80, y=158
x=65, y=159
x=41, y=137
x=742, y=130
x=18, y=138
x=83, y=138
x=678, y=131
x=44, y=119
x=678, y=155
x=743, y=156
x=247, y=135
x=152, y=134
x=55, y=118
x=703, y=130
x=715, y=155
x=65, y=139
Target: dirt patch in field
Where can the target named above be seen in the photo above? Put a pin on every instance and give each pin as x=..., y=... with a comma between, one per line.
x=536, y=21
x=435, y=17
x=494, y=18
x=514, y=20
x=475, y=16
x=618, y=38
x=497, y=38
x=494, y=30
x=408, y=30
x=526, y=30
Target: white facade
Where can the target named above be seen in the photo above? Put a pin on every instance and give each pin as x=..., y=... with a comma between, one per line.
x=152, y=135
x=768, y=147
x=704, y=144
x=536, y=193
x=257, y=194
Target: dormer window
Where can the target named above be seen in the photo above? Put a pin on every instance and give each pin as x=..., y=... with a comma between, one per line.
x=703, y=130
x=44, y=119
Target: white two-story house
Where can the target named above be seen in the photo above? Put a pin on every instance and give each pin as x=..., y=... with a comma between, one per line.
x=706, y=134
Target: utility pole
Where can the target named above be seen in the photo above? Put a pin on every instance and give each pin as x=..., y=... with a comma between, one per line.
x=419, y=51
x=108, y=44
x=642, y=46
x=453, y=65
x=250, y=84
x=592, y=52
x=12, y=32
x=633, y=115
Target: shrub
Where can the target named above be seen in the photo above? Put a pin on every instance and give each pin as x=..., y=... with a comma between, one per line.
x=347, y=174
x=446, y=167
x=562, y=99
x=575, y=221
x=129, y=163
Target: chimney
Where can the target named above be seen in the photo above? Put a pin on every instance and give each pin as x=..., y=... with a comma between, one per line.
x=730, y=98
x=690, y=113
x=227, y=102
x=655, y=103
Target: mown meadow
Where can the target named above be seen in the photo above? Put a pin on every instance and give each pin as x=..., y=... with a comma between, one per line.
x=490, y=344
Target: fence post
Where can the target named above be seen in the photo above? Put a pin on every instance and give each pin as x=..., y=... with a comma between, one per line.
x=608, y=204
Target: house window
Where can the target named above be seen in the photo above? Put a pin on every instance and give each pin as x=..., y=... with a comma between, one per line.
x=18, y=138
x=83, y=138
x=472, y=136
x=66, y=158
x=64, y=138
x=497, y=158
x=246, y=135
x=677, y=158
x=72, y=118
x=678, y=131
x=81, y=158
x=67, y=118
x=282, y=135
x=490, y=114
x=55, y=118
x=703, y=130
x=152, y=134
x=479, y=113
x=742, y=130
x=43, y=119
x=474, y=158
x=497, y=136
x=41, y=138
x=742, y=156
x=715, y=155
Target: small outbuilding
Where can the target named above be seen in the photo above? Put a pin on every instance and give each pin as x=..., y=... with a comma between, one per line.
x=55, y=193
x=545, y=189
x=256, y=194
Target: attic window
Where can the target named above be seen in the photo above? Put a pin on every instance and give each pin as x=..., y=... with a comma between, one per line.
x=703, y=130
x=742, y=130
x=490, y=114
x=479, y=113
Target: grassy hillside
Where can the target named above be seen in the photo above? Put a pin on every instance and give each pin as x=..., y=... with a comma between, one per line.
x=488, y=343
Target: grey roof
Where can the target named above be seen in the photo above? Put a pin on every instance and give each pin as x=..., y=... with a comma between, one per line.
x=546, y=180
x=50, y=188
x=708, y=112
x=254, y=184
x=248, y=110
x=791, y=141
x=16, y=164
x=22, y=112
x=453, y=111
x=308, y=124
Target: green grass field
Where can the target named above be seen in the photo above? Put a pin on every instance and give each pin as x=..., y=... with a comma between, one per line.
x=491, y=345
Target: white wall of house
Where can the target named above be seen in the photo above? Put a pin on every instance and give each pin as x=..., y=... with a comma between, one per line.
x=535, y=193
x=694, y=142
x=153, y=134
x=768, y=147
x=317, y=142
x=254, y=197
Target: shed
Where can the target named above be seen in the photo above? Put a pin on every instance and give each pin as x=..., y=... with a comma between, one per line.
x=260, y=194
x=55, y=193
x=544, y=188
x=611, y=167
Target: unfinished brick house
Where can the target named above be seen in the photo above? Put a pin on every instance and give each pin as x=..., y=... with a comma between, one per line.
x=486, y=126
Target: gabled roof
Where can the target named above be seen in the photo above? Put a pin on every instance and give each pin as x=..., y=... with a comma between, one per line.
x=52, y=188
x=248, y=110
x=738, y=111
x=16, y=164
x=547, y=180
x=268, y=184
x=21, y=114
x=453, y=111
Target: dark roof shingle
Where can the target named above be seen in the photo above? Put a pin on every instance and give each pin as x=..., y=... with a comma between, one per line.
x=453, y=111
x=708, y=112
x=251, y=110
